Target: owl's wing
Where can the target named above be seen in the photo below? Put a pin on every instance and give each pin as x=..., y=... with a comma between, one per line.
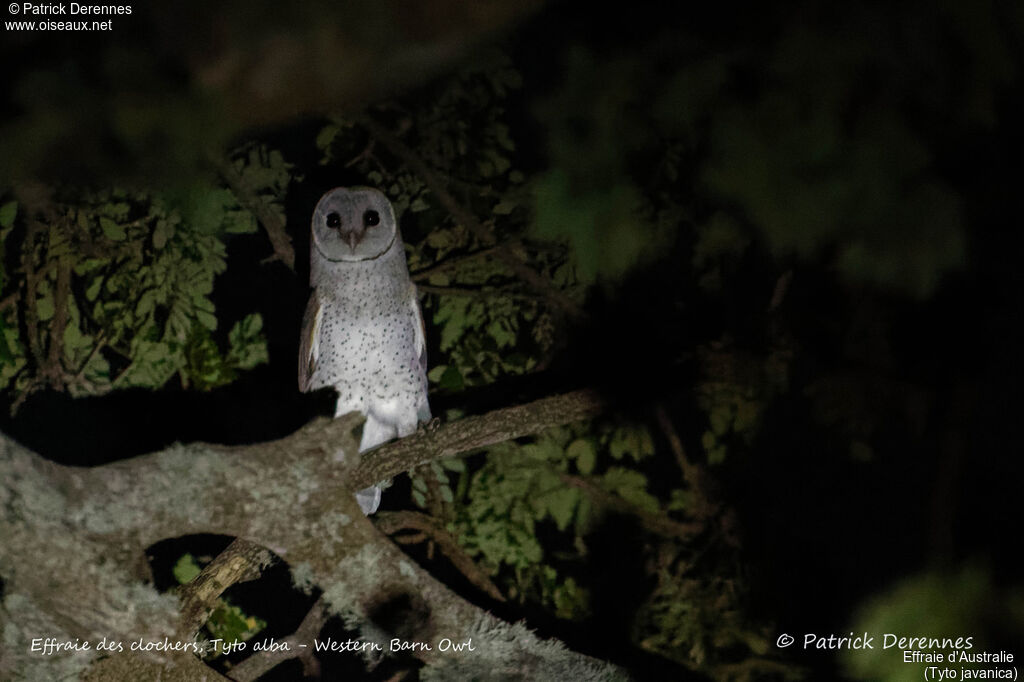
x=420, y=341
x=309, y=344
x=420, y=350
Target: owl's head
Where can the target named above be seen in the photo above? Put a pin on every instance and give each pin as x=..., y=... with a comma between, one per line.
x=353, y=224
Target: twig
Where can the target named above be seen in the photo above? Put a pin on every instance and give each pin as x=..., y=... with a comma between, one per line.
x=267, y=217
x=452, y=263
x=469, y=292
x=542, y=285
x=53, y=369
x=659, y=524
x=758, y=667
x=366, y=154
x=259, y=664
x=100, y=342
x=692, y=473
x=9, y=300
x=393, y=522
x=33, y=386
x=239, y=562
x=781, y=287
x=31, y=283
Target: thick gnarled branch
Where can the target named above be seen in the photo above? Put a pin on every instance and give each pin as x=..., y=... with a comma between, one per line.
x=70, y=535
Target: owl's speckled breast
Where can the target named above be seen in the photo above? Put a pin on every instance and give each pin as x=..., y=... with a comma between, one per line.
x=368, y=348
x=368, y=353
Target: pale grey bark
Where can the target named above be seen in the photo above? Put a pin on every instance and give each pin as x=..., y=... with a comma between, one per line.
x=71, y=544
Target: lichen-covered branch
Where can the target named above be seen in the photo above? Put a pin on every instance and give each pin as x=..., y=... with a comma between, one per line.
x=472, y=433
x=239, y=562
x=70, y=535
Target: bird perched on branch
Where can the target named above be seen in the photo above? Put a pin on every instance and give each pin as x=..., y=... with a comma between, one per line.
x=363, y=331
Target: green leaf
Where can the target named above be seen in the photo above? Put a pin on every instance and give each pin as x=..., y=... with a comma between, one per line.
x=8, y=212
x=681, y=500
x=435, y=373
x=206, y=319
x=451, y=379
x=582, y=450
x=561, y=505
x=230, y=623
x=248, y=347
x=93, y=289
x=326, y=135
x=112, y=230
x=44, y=306
x=454, y=464
x=185, y=569
x=631, y=486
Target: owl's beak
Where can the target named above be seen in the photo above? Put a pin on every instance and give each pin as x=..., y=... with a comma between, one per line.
x=352, y=238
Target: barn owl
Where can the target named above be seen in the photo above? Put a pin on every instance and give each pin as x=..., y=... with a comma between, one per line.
x=363, y=331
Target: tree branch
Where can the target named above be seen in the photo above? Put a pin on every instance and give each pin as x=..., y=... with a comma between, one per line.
x=267, y=217
x=239, y=562
x=659, y=524
x=257, y=665
x=70, y=534
x=393, y=522
x=473, y=433
x=473, y=292
x=53, y=370
x=423, y=274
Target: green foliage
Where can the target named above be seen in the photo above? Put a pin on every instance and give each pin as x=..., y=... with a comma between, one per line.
x=135, y=308
x=816, y=161
x=229, y=623
x=186, y=568
x=820, y=160
x=696, y=618
x=935, y=604
x=519, y=486
x=734, y=393
x=226, y=621
x=719, y=244
x=595, y=130
x=8, y=211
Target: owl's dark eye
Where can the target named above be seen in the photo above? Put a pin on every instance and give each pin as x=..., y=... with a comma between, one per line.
x=333, y=219
x=371, y=218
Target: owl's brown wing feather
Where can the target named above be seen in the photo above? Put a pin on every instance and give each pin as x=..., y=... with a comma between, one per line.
x=421, y=329
x=420, y=350
x=309, y=344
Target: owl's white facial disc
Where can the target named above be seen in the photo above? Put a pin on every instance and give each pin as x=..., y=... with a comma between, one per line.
x=353, y=224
